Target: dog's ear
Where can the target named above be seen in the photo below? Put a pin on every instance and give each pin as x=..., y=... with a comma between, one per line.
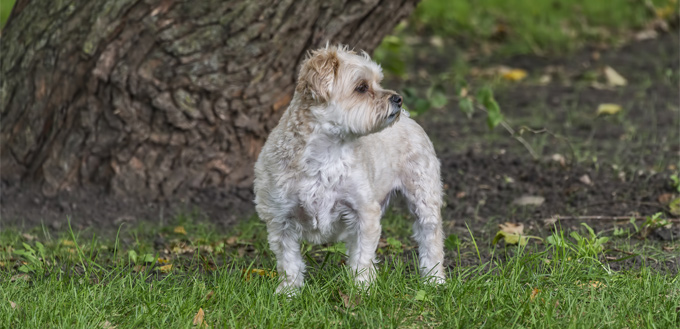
x=317, y=74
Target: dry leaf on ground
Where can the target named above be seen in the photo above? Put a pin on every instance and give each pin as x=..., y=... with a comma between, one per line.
x=512, y=228
x=665, y=198
x=12, y=304
x=585, y=179
x=613, y=77
x=529, y=200
x=514, y=74
x=21, y=276
x=180, y=230
x=609, y=109
x=534, y=292
x=166, y=268
x=349, y=302
x=108, y=325
x=199, y=319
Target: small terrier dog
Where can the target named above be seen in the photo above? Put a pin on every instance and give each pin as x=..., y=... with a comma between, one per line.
x=328, y=169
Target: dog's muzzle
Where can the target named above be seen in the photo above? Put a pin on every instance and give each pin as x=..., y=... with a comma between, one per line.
x=395, y=101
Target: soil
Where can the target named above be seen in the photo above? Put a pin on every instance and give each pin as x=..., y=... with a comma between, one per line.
x=627, y=158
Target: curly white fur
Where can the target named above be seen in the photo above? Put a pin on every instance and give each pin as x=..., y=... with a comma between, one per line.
x=327, y=170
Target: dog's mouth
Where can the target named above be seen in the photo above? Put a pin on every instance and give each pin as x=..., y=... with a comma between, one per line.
x=394, y=114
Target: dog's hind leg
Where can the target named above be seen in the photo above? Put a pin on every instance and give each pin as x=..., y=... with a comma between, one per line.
x=424, y=194
x=284, y=241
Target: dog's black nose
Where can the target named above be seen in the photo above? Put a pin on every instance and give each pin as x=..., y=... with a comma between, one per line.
x=396, y=99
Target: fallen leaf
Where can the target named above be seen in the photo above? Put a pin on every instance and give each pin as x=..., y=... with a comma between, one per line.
x=139, y=268
x=107, y=325
x=12, y=304
x=591, y=284
x=347, y=301
x=549, y=222
x=180, y=230
x=559, y=158
x=665, y=198
x=512, y=228
x=21, y=276
x=609, y=109
x=674, y=206
x=163, y=261
x=460, y=195
x=421, y=295
x=232, y=240
x=209, y=295
x=613, y=77
x=585, y=179
x=646, y=35
x=247, y=274
x=28, y=237
x=166, y=268
x=199, y=319
x=534, y=292
x=529, y=200
x=514, y=74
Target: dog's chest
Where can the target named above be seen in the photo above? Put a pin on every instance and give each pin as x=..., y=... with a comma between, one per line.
x=325, y=187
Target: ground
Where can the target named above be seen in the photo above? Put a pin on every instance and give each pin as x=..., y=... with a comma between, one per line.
x=612, y=173
x=628, y=157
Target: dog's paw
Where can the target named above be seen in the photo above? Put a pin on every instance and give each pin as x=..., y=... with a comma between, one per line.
x=287, y=289
x=435, y=280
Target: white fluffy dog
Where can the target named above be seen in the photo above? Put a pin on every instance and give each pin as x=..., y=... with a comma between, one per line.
x=328, y=169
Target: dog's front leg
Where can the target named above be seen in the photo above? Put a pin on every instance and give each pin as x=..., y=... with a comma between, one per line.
x=362, y=244
x=284, y=241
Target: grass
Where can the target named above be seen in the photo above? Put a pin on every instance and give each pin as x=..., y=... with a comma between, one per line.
x=5, y=10
x=534, y=26
x=96, y=283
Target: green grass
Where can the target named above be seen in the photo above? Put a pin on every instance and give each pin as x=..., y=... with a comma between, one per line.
x=97, y=281
x=5, y=9
x=525, y=26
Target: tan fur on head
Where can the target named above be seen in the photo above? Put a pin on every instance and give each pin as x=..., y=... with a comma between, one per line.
x=318, y=73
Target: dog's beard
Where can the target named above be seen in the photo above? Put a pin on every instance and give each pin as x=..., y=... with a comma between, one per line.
x=359, y=118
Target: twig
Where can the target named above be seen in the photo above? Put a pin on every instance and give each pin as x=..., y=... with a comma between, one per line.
x=546, y=131
x=512, y=133
x=558, y=217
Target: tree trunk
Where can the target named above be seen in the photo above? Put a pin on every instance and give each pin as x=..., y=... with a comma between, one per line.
x=159, y=98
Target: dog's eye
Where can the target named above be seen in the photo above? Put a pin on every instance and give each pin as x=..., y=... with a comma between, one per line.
x=362, y=88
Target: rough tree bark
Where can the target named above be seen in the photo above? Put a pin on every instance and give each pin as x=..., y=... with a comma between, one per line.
x=158, y=98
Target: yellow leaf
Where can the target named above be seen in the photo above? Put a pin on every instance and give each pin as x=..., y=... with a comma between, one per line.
x=609, y=109
x=166, y=268
x=534, y=292
x=674, y=206
x=247, y=274
x=613, y=77
x=512, y=228
x=180, y=230
x=665, y=12
x=199, y=319
x=163, y=261
x=515, y=74
x=591, y=284
x=107, y=325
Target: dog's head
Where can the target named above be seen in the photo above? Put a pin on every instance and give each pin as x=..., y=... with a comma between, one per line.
x=342, y=89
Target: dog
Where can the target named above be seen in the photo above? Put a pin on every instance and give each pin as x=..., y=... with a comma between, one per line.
x=328, y=169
